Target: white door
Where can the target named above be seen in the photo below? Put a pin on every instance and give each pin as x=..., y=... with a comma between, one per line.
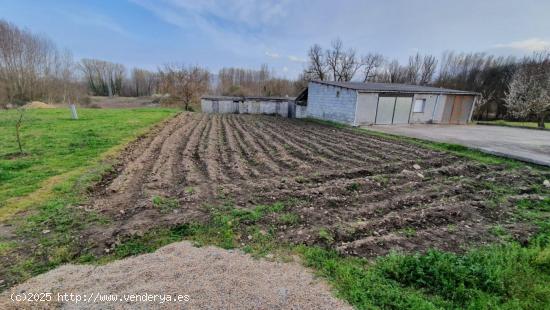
x=402, y=110
x=384, y=112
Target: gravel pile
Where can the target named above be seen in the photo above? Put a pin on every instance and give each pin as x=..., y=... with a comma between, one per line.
x=208, y=278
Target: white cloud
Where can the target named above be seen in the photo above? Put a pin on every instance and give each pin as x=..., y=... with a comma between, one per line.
x=272, y=55
x=530, y=45
x=96, y=20
x=251, y=13
x=296, y=58
x=231, y=26
x=235, y=16
x=285, y=69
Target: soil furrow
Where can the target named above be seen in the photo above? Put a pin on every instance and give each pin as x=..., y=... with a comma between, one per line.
x=238, y=160
x=125, y=190
x=297, y=150
x=354, y=149
x=227, y=161
x=360, y=194
x=196, y=176
x=170, y=155
x=369, y=144
x=259, y=155
x=244, y=152
x=212, y=154
x=257, y=129
x=338, y=160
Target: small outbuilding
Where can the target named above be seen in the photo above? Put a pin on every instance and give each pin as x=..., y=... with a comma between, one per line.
x=361, y=104
x=282, y=106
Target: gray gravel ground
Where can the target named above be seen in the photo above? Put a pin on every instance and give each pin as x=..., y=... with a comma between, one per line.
x=211, y=277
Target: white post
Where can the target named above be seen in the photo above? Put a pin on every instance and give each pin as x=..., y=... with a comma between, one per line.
x=73, y=110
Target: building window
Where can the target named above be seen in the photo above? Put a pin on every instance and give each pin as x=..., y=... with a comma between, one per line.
x=337, y=93
x=419, y=105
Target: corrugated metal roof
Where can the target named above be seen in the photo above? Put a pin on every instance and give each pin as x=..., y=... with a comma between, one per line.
x=395, y=88
x=253, y=98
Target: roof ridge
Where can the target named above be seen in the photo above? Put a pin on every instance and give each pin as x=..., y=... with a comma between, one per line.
x=394, y=87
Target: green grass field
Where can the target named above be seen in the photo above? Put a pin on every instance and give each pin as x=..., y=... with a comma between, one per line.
x=57, y=146
x=63, y=158
x=514, y=124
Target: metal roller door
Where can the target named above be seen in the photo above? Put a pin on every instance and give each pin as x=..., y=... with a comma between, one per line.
x=393, y=110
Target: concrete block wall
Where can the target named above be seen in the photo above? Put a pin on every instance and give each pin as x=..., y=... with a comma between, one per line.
x=219, y=106
x=206, y=106
x=228, y=106
x=280, y=108
x=301, y=111
x=243, y=107
x=264, y=107
x=270, y=107
x=331, y=103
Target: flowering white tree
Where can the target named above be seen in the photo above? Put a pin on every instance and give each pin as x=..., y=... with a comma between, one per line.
x=529, y=90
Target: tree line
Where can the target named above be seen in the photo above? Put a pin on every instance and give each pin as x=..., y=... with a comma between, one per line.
x=251, y=82
x=32, y=67
x=495, y=77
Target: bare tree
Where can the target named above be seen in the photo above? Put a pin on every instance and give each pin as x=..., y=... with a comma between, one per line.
x=333, y=64
x=31, y=66
x=252, y=82
x=529, y=90
x=103, y=78
x=349, y=65
x=371, y=65
x=333, y=57
x=342, y=65
x=184, y=84
x=412, y=71
x=142, y=82
x=429, y=65
x=317, y=67
x=396, y=73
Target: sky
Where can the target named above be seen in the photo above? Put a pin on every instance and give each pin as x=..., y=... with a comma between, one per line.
x=248, y=33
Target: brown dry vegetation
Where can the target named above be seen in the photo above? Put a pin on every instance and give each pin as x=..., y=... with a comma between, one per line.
x=360, y=194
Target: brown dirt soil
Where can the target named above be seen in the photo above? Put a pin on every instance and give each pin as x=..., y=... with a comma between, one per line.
x=38, y=105
x=212, y=278
x=120, y=102
x=360, y=194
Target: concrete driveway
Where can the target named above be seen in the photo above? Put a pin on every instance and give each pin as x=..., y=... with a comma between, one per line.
x=518, y=143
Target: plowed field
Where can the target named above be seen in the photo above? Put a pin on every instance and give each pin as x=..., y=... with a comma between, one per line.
x=360, y=194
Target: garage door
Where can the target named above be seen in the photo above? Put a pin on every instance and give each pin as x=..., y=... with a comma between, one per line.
x=456, y=110
x=402, y=110
x=393, y=110
x=384, y=112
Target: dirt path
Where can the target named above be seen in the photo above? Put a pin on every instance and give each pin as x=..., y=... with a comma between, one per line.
x=211, y=278
x=370, y=194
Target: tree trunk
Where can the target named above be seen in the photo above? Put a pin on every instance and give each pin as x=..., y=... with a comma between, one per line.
x=17, y=132
x=541, y=121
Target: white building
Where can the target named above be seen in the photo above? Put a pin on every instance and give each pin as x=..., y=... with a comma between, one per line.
x=383, y=103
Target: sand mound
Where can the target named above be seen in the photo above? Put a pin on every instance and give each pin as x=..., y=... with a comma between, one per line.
x=38, y=105
x=209, y=277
